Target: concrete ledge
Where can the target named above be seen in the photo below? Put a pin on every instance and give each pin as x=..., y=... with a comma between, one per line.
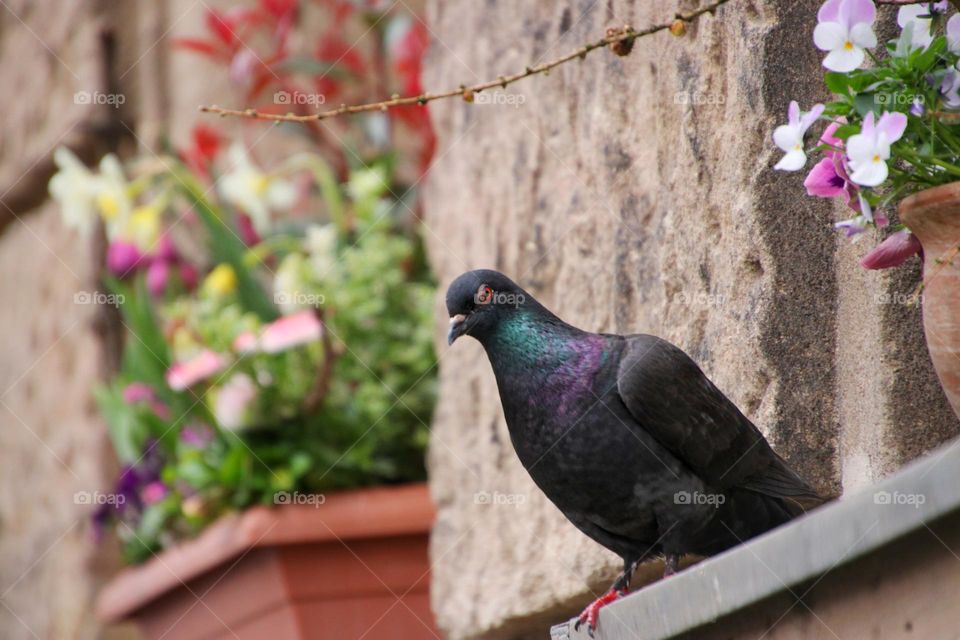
x=765, y=580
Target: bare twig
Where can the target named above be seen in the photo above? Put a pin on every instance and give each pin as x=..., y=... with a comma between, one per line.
x=626, y=35
x=321, y=386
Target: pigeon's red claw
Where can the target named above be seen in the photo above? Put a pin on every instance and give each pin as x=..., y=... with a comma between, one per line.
x=590, y=614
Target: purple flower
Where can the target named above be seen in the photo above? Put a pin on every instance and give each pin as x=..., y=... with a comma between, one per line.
x=196, y=435
x=853, y=226
x=123, y=258
x=917, y=107
x=845, y=29
x=953, y=33
x=868, y=151
x=950, y=88
x=829, y=178
x=893, y=251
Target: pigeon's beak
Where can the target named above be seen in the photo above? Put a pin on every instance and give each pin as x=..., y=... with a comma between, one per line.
x=456, y=327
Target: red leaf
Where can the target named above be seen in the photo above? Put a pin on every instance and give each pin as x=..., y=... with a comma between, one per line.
x=200, y=46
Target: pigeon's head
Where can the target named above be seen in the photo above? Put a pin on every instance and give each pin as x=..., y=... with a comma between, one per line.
x=479, y=300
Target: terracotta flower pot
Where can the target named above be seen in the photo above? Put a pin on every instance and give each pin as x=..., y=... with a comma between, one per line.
x=355, y=566
x=933, y=216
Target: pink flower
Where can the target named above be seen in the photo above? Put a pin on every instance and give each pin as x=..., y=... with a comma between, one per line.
x=154, y=492
x=291, y=331
x=196, y=435
x=124, y=257
x=893, y=251
x=187, y=373
x=245, y=342
x=233, y=402
x=188, y=275
x=140, y=392
x=829, y=178
x=157, y=275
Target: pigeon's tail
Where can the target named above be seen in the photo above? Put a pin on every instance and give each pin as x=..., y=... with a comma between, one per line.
x=777, y=480
x=745, y=514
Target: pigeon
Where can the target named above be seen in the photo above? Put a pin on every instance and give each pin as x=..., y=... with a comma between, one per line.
x=624, y=434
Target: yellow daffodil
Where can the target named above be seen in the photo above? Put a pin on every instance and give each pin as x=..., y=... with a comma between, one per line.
x=222, y=281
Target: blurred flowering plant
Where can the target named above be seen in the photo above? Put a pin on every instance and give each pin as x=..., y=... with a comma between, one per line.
x=278, y=321
x=893, y=128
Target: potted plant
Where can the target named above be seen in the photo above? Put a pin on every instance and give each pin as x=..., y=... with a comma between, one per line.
x=271, y=405
x=893, y=140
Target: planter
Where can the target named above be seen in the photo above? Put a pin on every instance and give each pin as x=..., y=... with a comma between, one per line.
x=934, y=217
x=355, y=566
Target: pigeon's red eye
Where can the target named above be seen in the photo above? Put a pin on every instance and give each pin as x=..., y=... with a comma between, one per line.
x=484, y=294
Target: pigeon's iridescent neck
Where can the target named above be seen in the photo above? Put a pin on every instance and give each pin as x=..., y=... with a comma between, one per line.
x=530, y=343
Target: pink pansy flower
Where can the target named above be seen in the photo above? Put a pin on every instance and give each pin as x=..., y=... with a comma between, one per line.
x=196, y=435
x=187, y=373
x=291, y=331
x=829, y=177
x=868, y=151
x=789, y=137
x=157, y=275
x=845, y=29
x=893, y=251
x=154, y=492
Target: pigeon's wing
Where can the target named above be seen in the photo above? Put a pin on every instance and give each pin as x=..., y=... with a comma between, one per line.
x=671, y=398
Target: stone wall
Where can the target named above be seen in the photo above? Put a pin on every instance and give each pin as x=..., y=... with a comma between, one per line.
x=636, y=195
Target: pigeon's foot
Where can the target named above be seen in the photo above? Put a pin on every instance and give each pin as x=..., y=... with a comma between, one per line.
x=590, y=614
x=671, y=564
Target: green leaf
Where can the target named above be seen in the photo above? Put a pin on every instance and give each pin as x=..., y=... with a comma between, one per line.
x=838, y=83
x=226, y=246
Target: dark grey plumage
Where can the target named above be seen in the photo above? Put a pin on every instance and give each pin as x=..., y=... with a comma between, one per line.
x=625, y=434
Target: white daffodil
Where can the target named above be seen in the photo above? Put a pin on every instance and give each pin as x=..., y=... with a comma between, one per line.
x=257, y=193
x=915, y=20
x=75, y=189
x=845, y=29
x=113, y=195
x=789, y=137
x=869, y=150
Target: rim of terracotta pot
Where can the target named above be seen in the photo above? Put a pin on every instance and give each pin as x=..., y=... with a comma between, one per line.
x=358, y=514
x=931, y=196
